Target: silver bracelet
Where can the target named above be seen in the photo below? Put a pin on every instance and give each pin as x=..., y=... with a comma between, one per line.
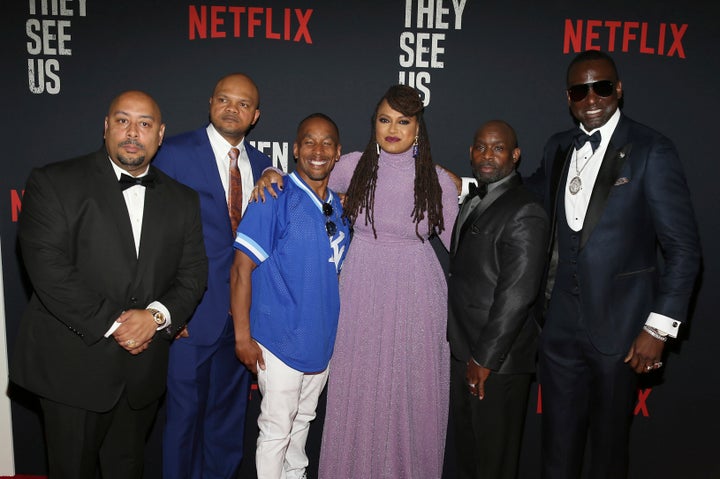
x=654, y=333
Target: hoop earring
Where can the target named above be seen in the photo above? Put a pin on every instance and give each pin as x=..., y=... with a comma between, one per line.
x=415, y=147
x=377, y=148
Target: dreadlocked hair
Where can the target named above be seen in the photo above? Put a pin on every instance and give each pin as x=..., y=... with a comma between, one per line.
x=428, y=194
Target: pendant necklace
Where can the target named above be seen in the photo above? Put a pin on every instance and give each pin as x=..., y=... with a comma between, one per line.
x=576, y=183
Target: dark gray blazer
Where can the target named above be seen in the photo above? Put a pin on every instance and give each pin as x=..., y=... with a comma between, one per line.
x=496, y=269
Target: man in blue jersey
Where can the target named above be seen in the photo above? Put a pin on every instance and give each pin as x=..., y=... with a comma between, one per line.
x=285, y=299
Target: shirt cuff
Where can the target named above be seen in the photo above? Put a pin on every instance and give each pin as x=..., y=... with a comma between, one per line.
x=154, y=305
x=112, y=329
x=465, y=187
x=664, y=324
x=161, y=307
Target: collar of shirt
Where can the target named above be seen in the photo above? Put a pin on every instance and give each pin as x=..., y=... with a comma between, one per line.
x=221, y=146
x=492, y=186
x=135, y=202
x=309, y=191
x=606, y=131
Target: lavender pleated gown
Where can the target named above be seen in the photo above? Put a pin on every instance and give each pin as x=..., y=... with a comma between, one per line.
x=387, y=402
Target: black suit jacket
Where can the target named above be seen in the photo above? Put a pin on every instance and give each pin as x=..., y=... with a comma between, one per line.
x=640, y=201
x=79, y=252
x=496, y=268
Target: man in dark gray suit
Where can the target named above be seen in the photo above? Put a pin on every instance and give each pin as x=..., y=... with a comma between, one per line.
x=114, y=251
x=497, y=260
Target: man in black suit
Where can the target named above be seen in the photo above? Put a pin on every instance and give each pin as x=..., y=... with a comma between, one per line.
x=615, y=191
x=497, y=260
x=114, y=250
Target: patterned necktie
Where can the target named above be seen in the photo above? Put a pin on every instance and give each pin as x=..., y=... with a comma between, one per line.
x=235, y=200
x=582, y=138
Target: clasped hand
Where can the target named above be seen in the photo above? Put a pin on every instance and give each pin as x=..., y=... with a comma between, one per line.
x=136, y=330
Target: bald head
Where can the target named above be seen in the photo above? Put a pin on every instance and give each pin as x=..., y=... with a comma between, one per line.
x=137, y=97
x=503, y=128
x=133, y=131
x=238, y=79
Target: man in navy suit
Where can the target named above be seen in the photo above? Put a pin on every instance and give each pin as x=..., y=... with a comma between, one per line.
x=208, y=387
x=615, y=191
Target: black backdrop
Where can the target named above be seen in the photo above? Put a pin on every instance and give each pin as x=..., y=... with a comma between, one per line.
x=64, y=60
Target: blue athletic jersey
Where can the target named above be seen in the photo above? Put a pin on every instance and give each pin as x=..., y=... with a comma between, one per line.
x=295, y=294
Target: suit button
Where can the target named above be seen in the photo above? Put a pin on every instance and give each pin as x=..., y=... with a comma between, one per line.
x=133, y=300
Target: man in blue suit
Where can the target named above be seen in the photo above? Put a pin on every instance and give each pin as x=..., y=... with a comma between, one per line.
x=615, y=191
x=207, y=385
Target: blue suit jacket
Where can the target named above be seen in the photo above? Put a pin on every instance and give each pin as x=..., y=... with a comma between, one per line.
x=640, y=200
x=189, y=158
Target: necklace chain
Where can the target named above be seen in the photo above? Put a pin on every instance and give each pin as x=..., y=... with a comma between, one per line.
x=576, y=183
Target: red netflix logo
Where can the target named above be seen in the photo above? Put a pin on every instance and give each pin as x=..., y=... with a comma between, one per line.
x=640, y=407
x=15, y=204
x=219, y=21
x=609, y=35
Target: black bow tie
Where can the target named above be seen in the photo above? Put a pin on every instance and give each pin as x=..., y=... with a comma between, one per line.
x=476, y=190
x=127, y=181
x=582, y=138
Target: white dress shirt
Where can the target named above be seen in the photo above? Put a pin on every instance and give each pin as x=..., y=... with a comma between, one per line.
x=221, y=148
x=135, y=202
x=588, y=164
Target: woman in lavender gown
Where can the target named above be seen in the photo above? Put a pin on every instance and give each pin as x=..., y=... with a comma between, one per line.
x=387, y=400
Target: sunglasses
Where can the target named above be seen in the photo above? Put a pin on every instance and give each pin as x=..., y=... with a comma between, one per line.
x=330, y=227
x=603, y=88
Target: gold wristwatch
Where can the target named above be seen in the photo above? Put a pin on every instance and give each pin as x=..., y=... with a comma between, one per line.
x=157, y=316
